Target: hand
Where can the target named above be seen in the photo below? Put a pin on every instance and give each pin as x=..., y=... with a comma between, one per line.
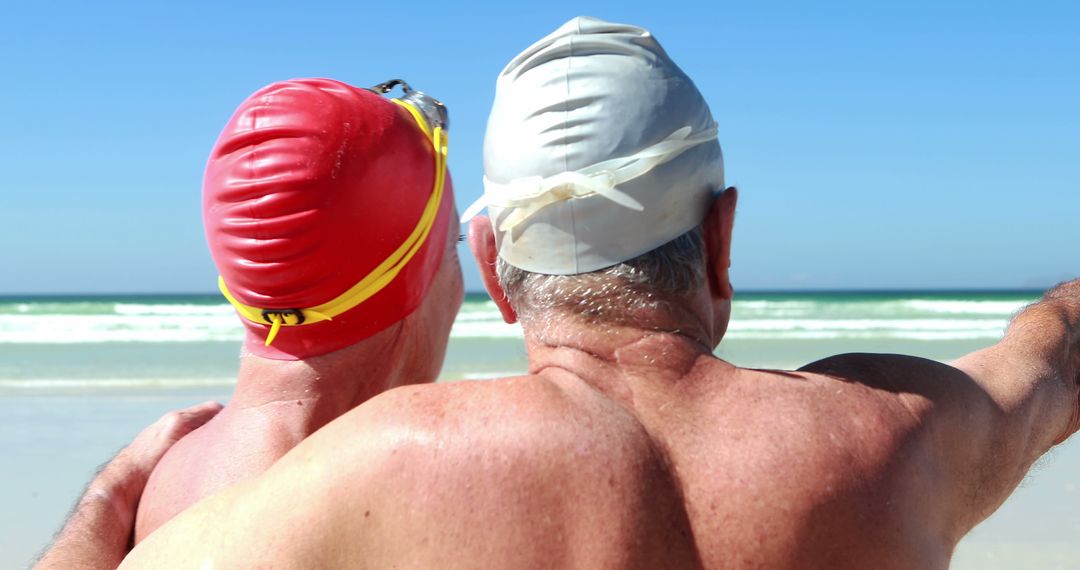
x=124, y=478
x=98, y=533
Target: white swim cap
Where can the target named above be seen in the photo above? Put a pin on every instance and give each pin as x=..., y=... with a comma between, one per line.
x=598, y=149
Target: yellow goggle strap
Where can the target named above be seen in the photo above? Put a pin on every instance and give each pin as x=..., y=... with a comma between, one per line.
x=379, y=277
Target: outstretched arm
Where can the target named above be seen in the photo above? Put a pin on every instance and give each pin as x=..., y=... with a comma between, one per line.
x=98, y=532
x=1033, y=379
x=979, y=423
x=1035, y=370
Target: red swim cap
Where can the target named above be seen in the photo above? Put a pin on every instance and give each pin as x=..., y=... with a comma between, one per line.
x=311, y=188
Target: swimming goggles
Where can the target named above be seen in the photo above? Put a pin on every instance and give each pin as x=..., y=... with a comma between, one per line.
x=432, y=109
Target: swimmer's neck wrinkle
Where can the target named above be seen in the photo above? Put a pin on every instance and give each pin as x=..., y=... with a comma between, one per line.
x=621, y=348
x=620, y=363
x=324, y=387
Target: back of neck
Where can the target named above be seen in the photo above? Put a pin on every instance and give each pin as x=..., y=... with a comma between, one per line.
x=304, y=395
x=615, y=355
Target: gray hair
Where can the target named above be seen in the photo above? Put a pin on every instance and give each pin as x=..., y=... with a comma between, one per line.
x=653, y=280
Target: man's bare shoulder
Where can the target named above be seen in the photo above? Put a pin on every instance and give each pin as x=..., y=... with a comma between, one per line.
x=841, y=418
x=895, y=373
x=502, y=466
x=948, y=422
x=453, y=408
x=864, y=392
x=518, y=419
x=932, y=394
x=827, y=447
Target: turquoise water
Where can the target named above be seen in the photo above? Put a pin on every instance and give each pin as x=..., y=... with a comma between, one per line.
x=80, y=343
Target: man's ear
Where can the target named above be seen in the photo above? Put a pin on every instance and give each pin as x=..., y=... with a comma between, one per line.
x=718, y=226
x=482, y=244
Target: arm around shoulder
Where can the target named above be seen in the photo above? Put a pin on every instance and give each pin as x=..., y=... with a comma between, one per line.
x=306, y=511
x=99, y=531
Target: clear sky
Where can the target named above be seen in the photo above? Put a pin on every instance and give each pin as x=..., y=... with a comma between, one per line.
x=876, y=145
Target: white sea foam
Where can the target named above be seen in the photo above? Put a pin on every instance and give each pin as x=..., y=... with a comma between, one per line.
x=56, y=322
x=73, y=329
x=992, y=325
x=479, y=316
x=485, y=329
x=155, y=328
x=998, y=308
x=915, y=329
x=766, y=304
x=170, y=310
x=861, y=335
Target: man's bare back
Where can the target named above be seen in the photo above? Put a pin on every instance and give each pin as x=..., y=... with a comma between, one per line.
x=857, y=461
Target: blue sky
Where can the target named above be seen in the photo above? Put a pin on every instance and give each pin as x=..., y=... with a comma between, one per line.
x=876, y=145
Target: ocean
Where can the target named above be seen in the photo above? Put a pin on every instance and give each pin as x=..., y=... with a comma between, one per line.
x=160, y=342
x=81, y=375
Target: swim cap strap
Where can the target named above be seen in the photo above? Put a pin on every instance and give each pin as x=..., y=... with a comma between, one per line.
x=529, y=195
